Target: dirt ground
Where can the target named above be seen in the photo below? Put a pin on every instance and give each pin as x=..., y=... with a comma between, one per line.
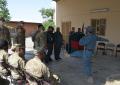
x=70, y=69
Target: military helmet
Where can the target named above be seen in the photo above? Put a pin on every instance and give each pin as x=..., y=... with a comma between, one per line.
x=3, y=43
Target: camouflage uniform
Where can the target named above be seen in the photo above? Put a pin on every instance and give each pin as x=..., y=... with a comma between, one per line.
x=5, y=34
x=3, y=58
x=38, y=69
x=3, y=70
x=40, y=40
x=18, y=64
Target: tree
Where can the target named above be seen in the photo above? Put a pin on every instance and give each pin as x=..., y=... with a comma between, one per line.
x=4, y=12
x=48, y=23
x=48, y=15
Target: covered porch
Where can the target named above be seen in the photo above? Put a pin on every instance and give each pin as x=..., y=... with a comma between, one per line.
x=70, y=68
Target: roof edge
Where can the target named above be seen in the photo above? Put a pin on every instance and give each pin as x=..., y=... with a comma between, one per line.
x=24, y=22
x=56, y=0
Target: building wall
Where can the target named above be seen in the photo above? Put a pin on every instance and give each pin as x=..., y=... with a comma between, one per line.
x=79, y=13
x=29, y=27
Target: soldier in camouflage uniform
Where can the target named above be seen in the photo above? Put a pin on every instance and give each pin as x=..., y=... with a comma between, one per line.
x=39, y=37
x=3, y=62
x=4, y=32
x=17, y=64
x=20, y=36
x=38, y=71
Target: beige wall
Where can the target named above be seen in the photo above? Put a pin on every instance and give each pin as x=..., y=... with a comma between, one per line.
x=79, y=12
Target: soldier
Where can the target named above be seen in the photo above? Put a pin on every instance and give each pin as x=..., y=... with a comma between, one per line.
x=4, y=72
x=20, y=36
x=17, y=64
x=89, y=41
x=50, y=41
x=4, y=32
x=39, y=37
x=37, y=72
x=58, y=42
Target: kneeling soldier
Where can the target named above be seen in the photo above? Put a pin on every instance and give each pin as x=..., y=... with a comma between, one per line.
x=4, y=72
x=37, y=72
x=17, y=64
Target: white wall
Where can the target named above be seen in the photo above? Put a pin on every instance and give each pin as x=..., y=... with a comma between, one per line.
x=78, y=12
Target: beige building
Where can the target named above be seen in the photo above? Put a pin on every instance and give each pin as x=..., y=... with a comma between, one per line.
x=104, y=15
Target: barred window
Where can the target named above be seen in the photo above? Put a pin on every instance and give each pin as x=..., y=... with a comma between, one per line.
x=99, y=25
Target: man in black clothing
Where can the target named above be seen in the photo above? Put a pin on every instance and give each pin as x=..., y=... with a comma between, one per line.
x=70, y=38
x=50, y=41
x=80, y=34
x=58, y=41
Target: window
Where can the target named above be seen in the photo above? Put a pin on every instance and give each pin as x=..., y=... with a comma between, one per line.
x=99, y=25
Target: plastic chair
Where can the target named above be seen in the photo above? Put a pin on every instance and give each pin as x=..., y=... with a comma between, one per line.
x=110, y=48
x=117, y=49
x=101, y=46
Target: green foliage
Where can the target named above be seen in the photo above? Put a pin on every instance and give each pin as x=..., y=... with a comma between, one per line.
x=4, y=12
x=47, y=14
x=48, y=23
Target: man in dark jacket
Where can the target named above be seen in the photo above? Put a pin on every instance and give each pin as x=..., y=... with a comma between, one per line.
x=58, y=41
x=71, y=33
x=80, y=34
x=50, y=41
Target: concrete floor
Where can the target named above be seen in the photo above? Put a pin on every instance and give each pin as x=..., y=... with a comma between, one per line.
x=70, y=69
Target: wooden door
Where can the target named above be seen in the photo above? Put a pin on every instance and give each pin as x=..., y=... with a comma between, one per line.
x=66, y=26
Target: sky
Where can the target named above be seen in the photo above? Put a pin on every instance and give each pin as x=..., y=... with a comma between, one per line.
x=28, y=10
